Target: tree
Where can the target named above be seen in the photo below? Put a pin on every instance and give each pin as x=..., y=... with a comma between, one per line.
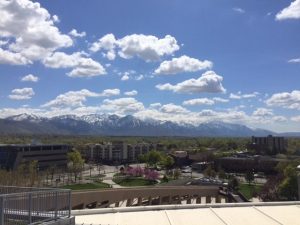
x=249, y=176
x=288, y=188
x=176, y=173
x=168, y=162
x=221, y=174
x=209, y=172
x=233, y=184
x=153, y=157
x=32, y=172
x=77, y=163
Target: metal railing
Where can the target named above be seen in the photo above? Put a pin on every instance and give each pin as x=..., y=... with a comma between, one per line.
x=23, y=206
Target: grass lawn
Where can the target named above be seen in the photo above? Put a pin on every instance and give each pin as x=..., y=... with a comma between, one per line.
x=134, y=182
x=248, y=190
x=97, y=185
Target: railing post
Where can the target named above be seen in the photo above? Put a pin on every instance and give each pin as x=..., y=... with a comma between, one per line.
x=1, y=210
x=70, y=203
x=56, y=205
x=29, y=208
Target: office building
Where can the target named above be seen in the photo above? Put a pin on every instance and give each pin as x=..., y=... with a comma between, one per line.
x=116, y=151
x=269, y=145
x=11, y=156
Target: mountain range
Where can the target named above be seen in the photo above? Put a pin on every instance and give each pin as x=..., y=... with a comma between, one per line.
x=113, y=125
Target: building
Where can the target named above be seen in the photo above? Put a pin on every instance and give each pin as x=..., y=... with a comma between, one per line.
x=257, y=163
x=117, y=151
x=269, y=145
x=11, y=156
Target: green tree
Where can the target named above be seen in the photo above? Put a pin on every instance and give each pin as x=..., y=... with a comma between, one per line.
x=168, y=162
x=209, y=172
x=77, y=163
x=249, y=176
x=288, y=188
x=176, y=173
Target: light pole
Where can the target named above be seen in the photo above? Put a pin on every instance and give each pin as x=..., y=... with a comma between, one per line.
x=298, y=178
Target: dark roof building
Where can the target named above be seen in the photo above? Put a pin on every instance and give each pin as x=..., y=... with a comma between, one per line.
x=11, y=156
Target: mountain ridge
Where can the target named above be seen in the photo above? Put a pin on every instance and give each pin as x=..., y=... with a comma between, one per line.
x=114, y=125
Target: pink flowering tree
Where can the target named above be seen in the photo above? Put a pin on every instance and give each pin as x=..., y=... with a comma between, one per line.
x=151, y=175
x=135, y=171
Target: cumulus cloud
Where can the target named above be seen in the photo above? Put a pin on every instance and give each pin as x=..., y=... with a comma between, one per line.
x=172, y=108
x=77, y=98
x=199, y=101
x=75, y=33
x=296, y=60
x=238, y=10
x=82, y=66
x=122, y=106
x=290, y=12
x=182, y=64
x=295, y=118
x=289, y=100
x=139, y=77
x=31, y=32
x=131, y=93
x=223, y=100
x=107, y=43
x=125, y=76
x=263, y=112
x=147, y=47
x=208, y=82
x=21, y=94
x=12, y=58
x=30, y=78
x=239, y=95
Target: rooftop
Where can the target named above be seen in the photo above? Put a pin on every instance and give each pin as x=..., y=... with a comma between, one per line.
x=274, y=213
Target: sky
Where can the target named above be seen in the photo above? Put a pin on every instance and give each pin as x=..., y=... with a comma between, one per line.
x=188, y=62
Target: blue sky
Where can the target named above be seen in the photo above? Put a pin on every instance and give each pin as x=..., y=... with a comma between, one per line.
x=231, y=61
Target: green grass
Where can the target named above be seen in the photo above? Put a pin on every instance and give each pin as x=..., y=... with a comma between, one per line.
x=97, y=185
x=249, y=190
x=130, y=182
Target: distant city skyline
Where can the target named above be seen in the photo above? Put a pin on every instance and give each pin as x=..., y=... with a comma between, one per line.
x=232, y=61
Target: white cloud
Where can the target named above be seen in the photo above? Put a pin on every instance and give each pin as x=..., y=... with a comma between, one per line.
x=290, y=12
x=199, y=101
x=77, y=98
x=263, y=112
x=131, y=93
x=125, y=76
x=30, y=30
x=21, y=94
x=82, y=66
x=109, y=92
x=239, y=95
x=122, y=106
x=147, y=47
x=295, y=118
x=107, y=43
x=30, y=78
x=172, y=108
x=296, y=60
x=75, y=33
x=182, y=64
x=139, y=77
x=238, y=10
x=12, y=58
x=223, y=100
x=208, y=82
x=155, y=105
x=285, y=100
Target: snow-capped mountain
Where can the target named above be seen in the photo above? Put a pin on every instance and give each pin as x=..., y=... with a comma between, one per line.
x=103, y=124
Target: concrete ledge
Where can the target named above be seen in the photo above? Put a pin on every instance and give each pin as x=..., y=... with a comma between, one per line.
x=65, y=221
x=172, y=207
